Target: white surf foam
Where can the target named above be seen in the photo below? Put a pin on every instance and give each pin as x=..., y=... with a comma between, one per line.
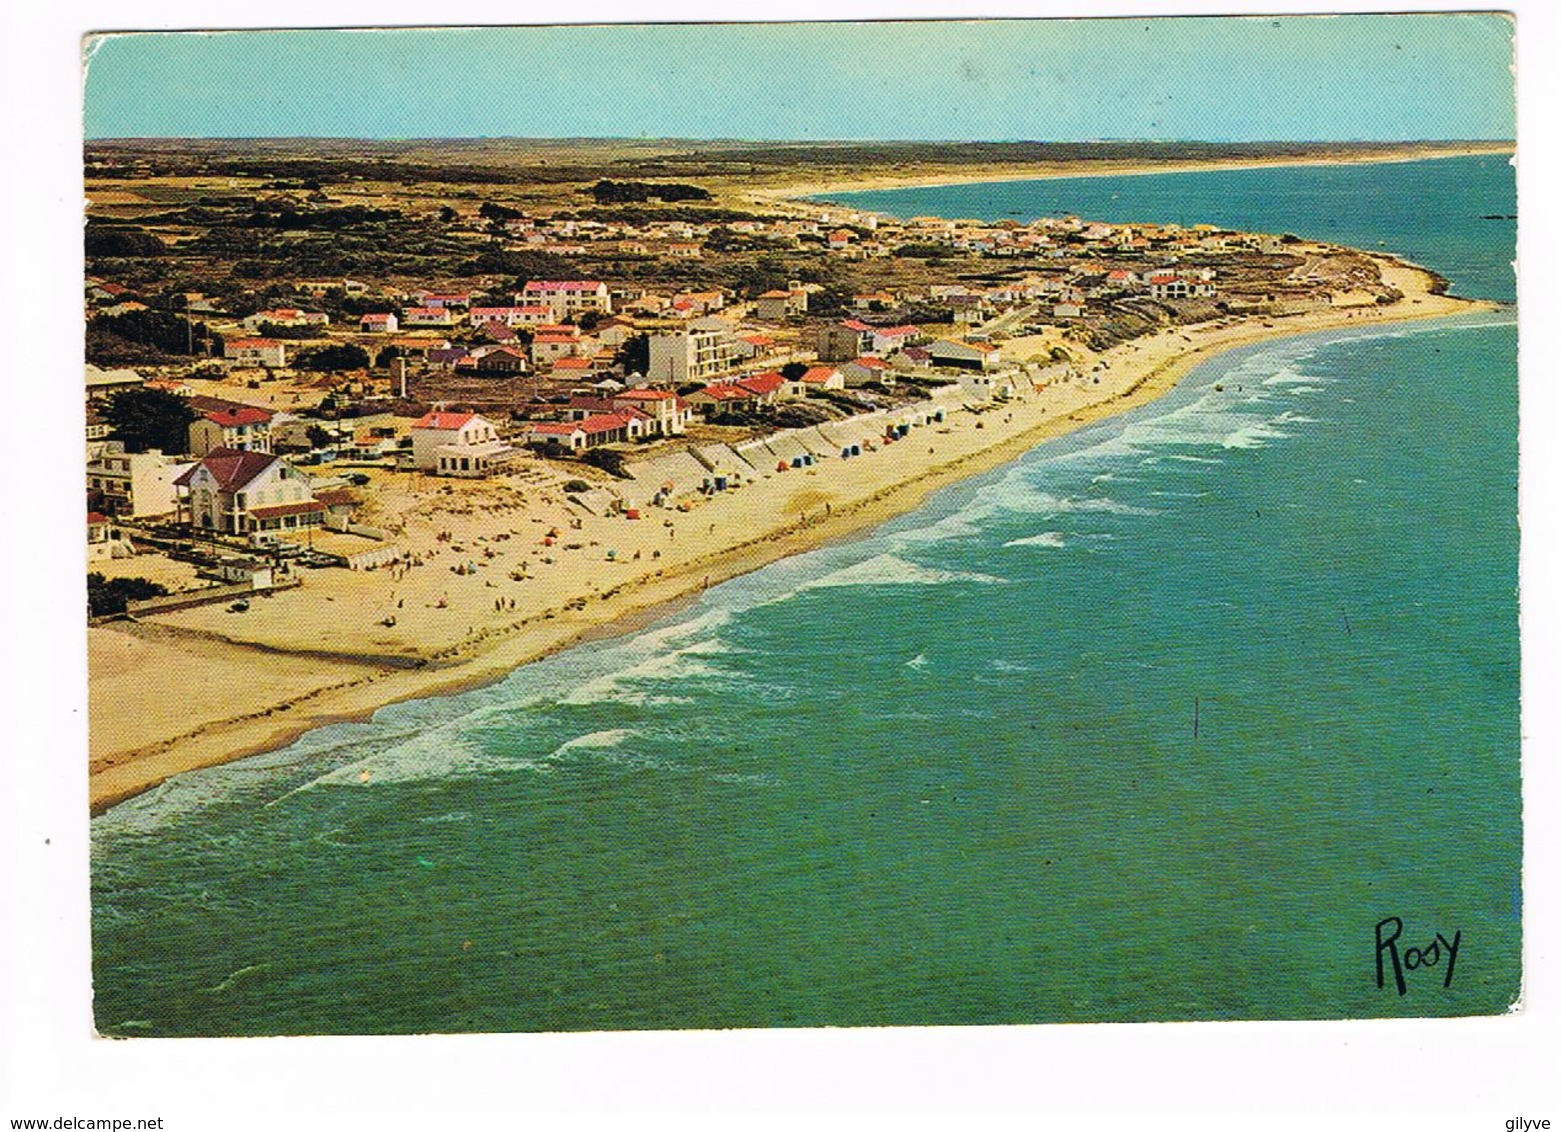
x=1045, y=538
x=891, y=570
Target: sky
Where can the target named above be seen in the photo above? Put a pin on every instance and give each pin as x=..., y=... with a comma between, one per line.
x=1338, y=78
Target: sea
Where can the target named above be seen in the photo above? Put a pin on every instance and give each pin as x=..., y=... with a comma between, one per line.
x=1178, y=717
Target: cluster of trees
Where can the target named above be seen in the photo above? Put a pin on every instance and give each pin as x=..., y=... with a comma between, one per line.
x=638, y=192
x=283, y=214
x=150, y=418
x=107, y=596
x=149, y=335
x=115, y=242
x=335, y=358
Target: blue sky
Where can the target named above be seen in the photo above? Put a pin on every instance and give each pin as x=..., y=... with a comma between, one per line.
x=1291, y=78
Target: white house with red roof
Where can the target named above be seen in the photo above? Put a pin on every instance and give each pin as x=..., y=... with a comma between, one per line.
x=549, y=344
x=966, y=355
x=286, y=316
x=775, y=306
x=427, y=316
x=459, y=444
x=268, y=352
x=239, y=492
x=668, y=412
x=823, y=377
x=378, y=323
x=501, y=316
x=590, y=432
x=568, y=297
x=867, y=369
x=888, y=339
x=241, y=427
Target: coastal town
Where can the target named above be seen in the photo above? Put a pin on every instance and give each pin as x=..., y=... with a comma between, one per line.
x=312, y=492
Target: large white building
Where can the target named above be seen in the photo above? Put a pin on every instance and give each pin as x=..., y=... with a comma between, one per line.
x=687, y=356
x=135, y=484
x=458, y=444
x=568, y=297
x=240, y=492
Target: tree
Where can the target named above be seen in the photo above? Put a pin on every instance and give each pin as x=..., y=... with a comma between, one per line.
x=588, y=319
x=793, y=371
x=150, y=418
x=634, y=354
x=108, y=596
x=332, y=359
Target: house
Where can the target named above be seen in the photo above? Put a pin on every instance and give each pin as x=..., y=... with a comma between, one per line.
x=840, y=342
x=458, y=444
x=501, y=316
x=266, y=352
x=590, y=432
x=823, y=377
x=776, y=306
x=427, y=316
x=240, y=427
x=873, y=300
x=500, y=360
x=104, y=383
x=290, y=317
x=770, y=387
x=1068, y=310
x=241, y=492
x=1179, y=287
x=888, y=339
x=681, y=357
x=668, y=413
x=378, y=324
x=134, y=484
x=866, y=370
x=699, y=302
x=966, y=355
x=720, y=397
x=985, y=386
x=568, y=297
x=551, y=344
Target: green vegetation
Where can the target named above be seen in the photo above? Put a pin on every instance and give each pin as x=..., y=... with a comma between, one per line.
x=637, y=192
x=150, y=418
x=108, y=596
x=332, y=359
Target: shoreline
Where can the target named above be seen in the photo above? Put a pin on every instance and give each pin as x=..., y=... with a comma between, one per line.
x=870, y=182
x=349, y=690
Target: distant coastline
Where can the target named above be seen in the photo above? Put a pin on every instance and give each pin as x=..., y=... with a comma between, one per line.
x=996, y=174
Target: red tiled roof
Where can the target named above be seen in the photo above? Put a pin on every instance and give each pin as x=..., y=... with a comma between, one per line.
x=604, y=422
x=563, y=285
x=305, y=508
x=238, y=416
x=867, y=361
x=857, y=325
x=255, y=342
x=96, y=518
x=231, y=467
x=819, y=375
x=644, y=395
x=763, y=383
x=555, y=428
x=448, y=421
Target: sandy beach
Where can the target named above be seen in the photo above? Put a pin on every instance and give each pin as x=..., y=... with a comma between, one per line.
x=203, y=686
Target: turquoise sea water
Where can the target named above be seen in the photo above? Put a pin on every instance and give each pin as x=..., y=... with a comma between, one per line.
x=947, y=772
